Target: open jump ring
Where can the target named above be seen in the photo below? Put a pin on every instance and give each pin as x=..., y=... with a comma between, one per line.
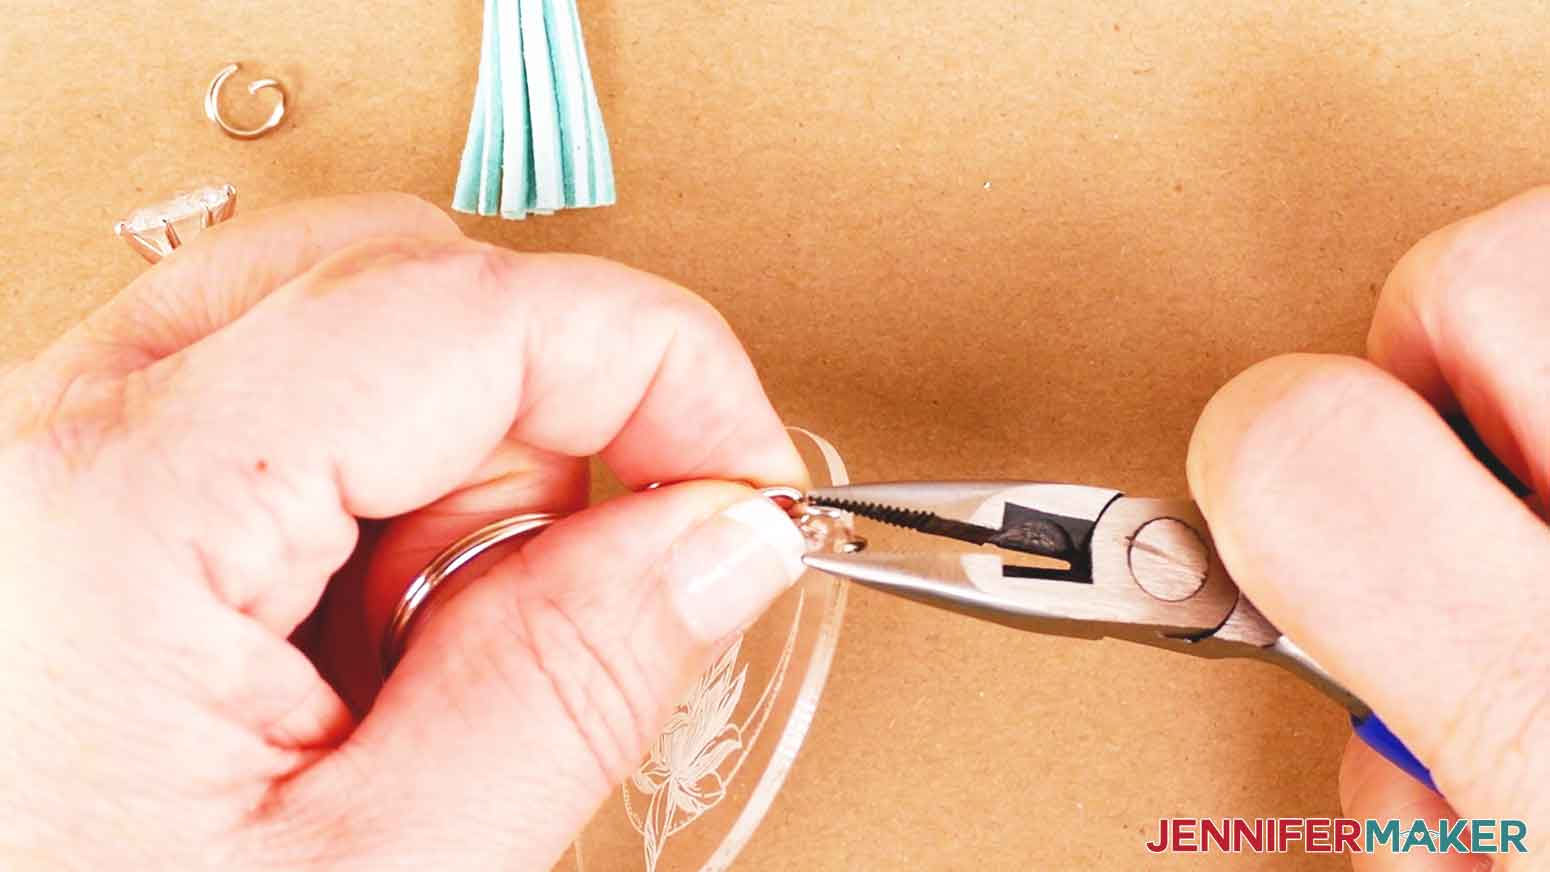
x=452, y=558
x=213, y=105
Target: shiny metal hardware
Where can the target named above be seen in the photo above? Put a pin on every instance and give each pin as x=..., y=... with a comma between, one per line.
x=450, y=560
x=1070, y=560
x=213, y=105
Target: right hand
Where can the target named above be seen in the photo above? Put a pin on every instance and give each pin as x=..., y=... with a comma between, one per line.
x=1356, y=520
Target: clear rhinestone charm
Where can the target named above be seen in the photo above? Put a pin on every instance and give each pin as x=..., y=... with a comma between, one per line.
x=155, y=230
x=827, y=529
x=824, y=529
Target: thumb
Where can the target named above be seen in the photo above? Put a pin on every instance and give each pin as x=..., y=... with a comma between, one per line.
x=532, y=692
x=1358, y=522
x=1372, y=787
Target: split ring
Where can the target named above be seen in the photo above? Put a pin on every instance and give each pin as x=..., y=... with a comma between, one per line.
x=450, y=560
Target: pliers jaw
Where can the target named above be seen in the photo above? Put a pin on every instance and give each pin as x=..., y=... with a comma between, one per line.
x=1121, y=583
x=1147, y=571
x=1046, y=520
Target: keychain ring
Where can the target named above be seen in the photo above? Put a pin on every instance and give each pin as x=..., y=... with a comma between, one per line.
x=450, y=560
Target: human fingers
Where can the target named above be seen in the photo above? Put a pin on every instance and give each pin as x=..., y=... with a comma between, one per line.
x=1354, y=518
x=528, y=695
x=225, y=270
x=1463, y=320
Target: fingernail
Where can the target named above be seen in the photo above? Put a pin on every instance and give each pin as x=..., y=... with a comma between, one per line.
x=728, y=570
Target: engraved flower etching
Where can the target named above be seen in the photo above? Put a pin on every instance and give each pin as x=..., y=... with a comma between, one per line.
x=682, y=773
x=701, y=748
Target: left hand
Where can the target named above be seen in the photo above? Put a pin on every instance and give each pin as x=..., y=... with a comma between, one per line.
x=181, y=475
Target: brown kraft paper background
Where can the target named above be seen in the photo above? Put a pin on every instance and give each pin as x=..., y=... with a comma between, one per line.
x=994, y=239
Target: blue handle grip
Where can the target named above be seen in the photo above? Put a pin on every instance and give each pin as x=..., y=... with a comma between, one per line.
x=1376, y=734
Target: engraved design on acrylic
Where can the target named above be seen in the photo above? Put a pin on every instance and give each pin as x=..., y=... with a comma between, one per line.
x=700, y=750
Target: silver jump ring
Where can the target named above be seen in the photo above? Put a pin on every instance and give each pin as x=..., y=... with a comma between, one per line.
x=450, y=560
x=784, y=492
x=213, y=105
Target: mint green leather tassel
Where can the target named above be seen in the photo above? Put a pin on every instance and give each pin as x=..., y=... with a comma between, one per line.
x=536, y=141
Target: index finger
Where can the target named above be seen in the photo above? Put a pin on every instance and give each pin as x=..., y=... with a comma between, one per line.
x=1463, y=319
x=228, y=268
x=1352, y=516
x=378, y=381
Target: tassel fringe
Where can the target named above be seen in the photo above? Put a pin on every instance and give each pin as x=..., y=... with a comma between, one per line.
x=536, y=141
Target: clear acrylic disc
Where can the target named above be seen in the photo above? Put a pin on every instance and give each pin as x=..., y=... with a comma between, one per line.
x=711, y=775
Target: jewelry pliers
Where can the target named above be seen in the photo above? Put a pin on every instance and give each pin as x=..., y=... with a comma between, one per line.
x=1092, y=563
